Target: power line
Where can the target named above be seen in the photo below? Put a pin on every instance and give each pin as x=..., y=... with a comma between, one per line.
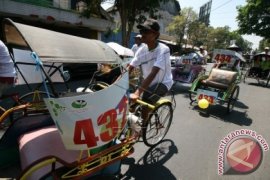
x=227, y=12
x=221, y=5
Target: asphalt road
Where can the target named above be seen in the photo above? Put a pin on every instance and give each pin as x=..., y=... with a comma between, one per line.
x=190, y=149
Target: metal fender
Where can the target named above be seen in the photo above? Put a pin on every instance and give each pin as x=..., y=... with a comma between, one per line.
x=162, y=101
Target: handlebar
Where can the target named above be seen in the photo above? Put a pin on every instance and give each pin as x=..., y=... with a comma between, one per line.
x=145, y=104
x=137, y=101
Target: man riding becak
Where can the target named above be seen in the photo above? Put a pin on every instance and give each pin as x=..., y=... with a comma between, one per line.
x=154, y=59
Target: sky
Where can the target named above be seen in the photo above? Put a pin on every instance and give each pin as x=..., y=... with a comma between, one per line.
x=223, y=12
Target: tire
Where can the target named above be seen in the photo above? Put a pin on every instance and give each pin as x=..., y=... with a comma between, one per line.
x=245, y=76
x=233, y=99
x=158, y=124
x=192, y=97
x=268, y=79
x=38, y=106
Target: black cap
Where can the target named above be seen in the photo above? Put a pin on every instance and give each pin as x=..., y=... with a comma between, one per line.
x=150, y=24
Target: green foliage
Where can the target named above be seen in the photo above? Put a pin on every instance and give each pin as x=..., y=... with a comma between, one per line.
x=93, y=8
x=218, y=38
x=130, y=11
x=197, y=33
x=254, y=18
x=245, y=45
x=182, y=23
x=264, y=43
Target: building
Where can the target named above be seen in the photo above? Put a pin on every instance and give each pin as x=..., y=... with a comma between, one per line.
x=58, y=15
x=166, y=13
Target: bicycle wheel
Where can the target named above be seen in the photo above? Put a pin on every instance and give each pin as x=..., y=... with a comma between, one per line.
x=158, y=124
x=192, y=97
x=233, y=99
x=37, y=105
x=267, y=80
x=246, y=76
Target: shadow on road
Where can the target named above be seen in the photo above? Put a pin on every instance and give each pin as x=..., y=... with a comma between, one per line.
x=180, y=88
x=241, y=105
x=259, y=84
x=219, y=112
x=150, y=166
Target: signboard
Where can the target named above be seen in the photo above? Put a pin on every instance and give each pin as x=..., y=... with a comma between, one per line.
x=186, y=59
x=225, y=56
x=204, y=14
x=91, y=120
x=210, y=96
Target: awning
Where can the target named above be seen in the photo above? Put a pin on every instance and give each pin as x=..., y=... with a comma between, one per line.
x=53, y=46
x=121, y=50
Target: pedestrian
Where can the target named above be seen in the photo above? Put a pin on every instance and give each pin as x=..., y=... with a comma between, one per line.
x=266, y=50
x=138, y=43
x=204, y=54
x=154, y=59
x=7, y=70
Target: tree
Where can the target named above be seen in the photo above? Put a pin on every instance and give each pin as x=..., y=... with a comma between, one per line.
x=181, y=23
x=218, y=38
x=131, y=11
x=254, y=17
x=197, y=33
x=245, y=45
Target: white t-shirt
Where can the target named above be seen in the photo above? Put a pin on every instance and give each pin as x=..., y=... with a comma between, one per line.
x=6, y=64
x=135, y=47
x=159, y=57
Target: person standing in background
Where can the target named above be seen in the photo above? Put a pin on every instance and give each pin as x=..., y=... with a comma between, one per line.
x=138, y=43
x=266, y=50
x=204, y=54
x=137, y=72
x=7, y=69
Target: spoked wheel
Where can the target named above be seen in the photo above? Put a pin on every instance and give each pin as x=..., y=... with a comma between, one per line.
x=245, y=76
x=36, y=104
x=158, y=124
x=192, y=97
x=267, y=80
x=233, y=99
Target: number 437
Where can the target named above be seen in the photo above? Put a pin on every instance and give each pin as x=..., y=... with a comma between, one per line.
x=108, y=123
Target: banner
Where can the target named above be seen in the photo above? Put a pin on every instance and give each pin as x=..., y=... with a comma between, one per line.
x=187, y=59
x=225, y=56
x=91, y=120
